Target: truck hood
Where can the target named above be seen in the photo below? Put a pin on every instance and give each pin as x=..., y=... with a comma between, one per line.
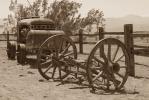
x=36, y=37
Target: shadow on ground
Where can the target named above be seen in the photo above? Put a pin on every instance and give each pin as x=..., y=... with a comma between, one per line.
x=140, y=77
x=32, y=63
x=99, y=91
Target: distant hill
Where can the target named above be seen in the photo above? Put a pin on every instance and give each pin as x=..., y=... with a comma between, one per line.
x=117, y=24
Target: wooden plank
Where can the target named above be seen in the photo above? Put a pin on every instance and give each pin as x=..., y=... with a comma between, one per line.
x=74, y=35
x=6, y=34
x=101, y=36
x=113, y=33
x=4, y=37
x=140, y=35
x=142, y=52
x=88, y=35
x=97, y=34
x=139, y=46
x=140, y=32
x=76, y=42
x=9, y=40
x=89, y=42
x=81, y=41
x=128, y=38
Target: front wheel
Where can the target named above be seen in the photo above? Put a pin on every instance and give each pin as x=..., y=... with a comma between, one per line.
x=21, y=55
x=53, y=55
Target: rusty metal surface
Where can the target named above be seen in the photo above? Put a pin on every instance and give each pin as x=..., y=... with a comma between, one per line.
x=36, y=37
x=35, y=21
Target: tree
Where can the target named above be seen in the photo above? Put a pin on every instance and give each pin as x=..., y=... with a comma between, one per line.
x=63, y=12
x=72, y=25
x=22, y=12
x=44, y=6
x=11, y=6
x=93, y=17
x=36, y=7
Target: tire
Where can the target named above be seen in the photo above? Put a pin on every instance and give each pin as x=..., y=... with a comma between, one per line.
x=21, y=55
x=11, y=51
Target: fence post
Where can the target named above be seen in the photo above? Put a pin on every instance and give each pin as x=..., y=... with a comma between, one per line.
x=128, y=39
x=81, y=41
x=101, y=36
x=7, y=39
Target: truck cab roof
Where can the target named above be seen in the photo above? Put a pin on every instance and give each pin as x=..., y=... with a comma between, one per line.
x=33, y=21
x=37, y=23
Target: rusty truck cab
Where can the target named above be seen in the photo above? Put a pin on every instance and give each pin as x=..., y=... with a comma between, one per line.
x=31, y=33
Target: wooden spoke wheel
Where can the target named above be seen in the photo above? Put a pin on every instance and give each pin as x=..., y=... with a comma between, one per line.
x=108, y=65
x=52, y=54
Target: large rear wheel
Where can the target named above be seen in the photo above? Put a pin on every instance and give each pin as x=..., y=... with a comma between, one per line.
x=108, y=65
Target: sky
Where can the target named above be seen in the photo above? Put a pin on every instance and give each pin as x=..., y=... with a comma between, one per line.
x=110, y=8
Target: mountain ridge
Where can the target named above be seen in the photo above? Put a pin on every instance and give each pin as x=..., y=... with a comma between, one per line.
x=117, y=23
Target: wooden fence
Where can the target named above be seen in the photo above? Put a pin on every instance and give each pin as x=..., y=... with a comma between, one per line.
x=128, y=41
x=12, y=37
x=128, y=36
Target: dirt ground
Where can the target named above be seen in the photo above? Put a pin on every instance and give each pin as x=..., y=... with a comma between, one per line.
x=19, y=82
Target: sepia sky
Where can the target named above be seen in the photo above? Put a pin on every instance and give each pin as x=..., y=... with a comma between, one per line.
x=111, y=8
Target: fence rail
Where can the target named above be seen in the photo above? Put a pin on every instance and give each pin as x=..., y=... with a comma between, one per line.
x=141, y=35
x=90, y=35
x=12, y=37
x=139, y=46
x=141, y=32
x=113, y=33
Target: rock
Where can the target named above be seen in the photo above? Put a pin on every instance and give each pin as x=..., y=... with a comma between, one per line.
x=29, y=72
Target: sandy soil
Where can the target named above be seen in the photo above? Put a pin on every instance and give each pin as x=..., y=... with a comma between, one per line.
x=19, y=82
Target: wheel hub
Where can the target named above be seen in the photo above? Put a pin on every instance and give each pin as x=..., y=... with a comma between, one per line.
x=116, y=67
x=113, y=67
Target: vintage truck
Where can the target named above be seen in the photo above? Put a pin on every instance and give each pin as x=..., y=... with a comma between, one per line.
x=31, y=33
